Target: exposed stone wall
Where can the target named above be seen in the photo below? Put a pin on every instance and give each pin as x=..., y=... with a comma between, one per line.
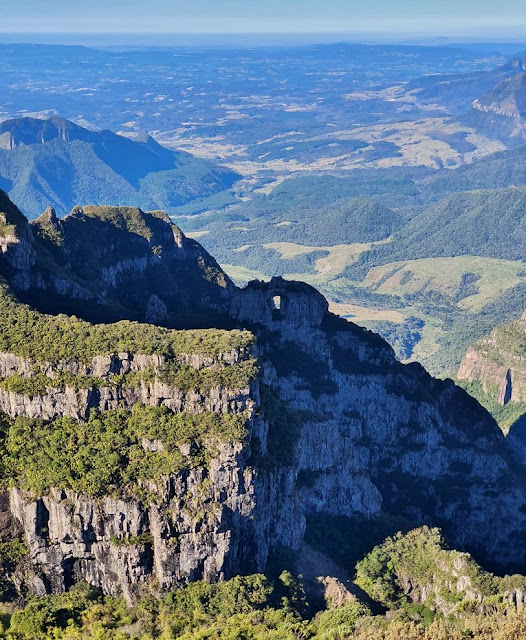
x=496, y=363
x=362, y=434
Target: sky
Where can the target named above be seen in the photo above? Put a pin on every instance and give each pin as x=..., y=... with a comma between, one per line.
x=449, y=18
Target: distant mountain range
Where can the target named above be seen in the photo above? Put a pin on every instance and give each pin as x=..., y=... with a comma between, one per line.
x=493, y=102
x=499, y=111
x=57, y=161
x=459, y=91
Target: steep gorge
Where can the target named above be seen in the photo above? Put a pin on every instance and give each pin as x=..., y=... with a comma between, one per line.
x=141, y=457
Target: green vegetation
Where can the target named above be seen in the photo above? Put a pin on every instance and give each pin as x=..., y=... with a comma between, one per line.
x=505, y=415
x=128, y=172
x=257, y=607
x=142, y=540
x=38, y=384
x=441, y=580
x=478, y=223
x=129, y=219
x=464, y=274
x=6, y=229
x=105, y=454
x=217, y=203
x=12, y=551
x=504, y=347
x=497, y=171
x=10, y=215
x=507, y=339
x=44, y=338
x=450, y=327
x=290, y=215
x=251, y=607
x=231, y=376
x=401, y=336
x=181, y=376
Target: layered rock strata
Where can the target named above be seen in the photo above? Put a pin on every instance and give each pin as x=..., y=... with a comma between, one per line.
x=334, y=425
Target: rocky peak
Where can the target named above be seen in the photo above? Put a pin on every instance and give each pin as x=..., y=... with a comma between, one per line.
x=48, y=217
x=518, y=64
x=17, y=255
x=114, y=263
x=47, y=222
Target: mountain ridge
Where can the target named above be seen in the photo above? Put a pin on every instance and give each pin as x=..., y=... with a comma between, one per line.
x=130, y=261
x=55, y=161
x=166, y=456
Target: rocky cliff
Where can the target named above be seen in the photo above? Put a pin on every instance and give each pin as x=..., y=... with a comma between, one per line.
x=500, y=113
x=498, y=363
x=140, y=457
x=507, y=98
x=494, y=371
x=110, y=263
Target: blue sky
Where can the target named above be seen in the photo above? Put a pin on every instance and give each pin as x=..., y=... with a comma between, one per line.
x=403, y=17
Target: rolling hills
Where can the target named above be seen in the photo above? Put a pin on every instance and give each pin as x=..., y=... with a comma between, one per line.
x=456, y=264
x=487, y=223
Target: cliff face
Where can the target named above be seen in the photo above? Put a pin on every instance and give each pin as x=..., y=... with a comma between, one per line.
x=498, y=363
x=507, y=98
x=394, y=439
x=212, y=517
x=500, y=113
x=110, y=263
x=217, y=445
x=494, y=371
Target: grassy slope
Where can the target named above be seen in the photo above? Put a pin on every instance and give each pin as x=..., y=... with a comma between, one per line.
x=43, y=338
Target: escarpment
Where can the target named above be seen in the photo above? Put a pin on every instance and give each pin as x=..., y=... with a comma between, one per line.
x=139, y=457
x=140, y=476
x=122, y=380
x=108, y=263
x=494, y=371
x=498, y=363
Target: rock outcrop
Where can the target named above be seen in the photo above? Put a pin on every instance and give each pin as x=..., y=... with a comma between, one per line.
x=506, y=99
x=501, y=112
x=110, y=263
x=419, y=568
x=334, y=424
x=498, y=363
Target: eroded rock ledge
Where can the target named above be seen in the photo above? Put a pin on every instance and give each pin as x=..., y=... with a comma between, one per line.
x=311, y=415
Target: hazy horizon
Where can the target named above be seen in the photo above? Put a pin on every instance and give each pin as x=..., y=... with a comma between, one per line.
x=481, y=19
x=149, y=39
